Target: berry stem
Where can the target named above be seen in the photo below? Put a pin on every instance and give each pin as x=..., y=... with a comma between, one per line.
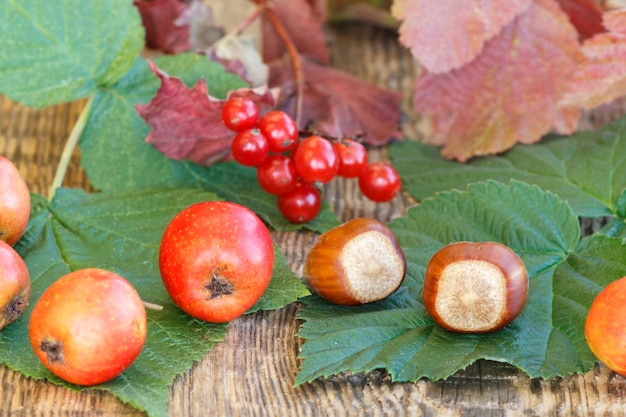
x=292, y=51
x=68, y=149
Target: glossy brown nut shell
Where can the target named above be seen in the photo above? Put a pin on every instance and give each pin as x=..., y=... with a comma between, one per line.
x=355, y=263
x=475, y=287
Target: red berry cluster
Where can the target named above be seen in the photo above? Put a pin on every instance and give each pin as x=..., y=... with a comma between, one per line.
x=293, y=169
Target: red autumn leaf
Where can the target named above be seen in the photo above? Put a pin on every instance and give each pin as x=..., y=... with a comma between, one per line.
x=338, y=104
x=186, y=122
x=166, y=23
x=301, y=21
x=510, y=93
x=585, y=15
x=444, y=34
x=602, y=77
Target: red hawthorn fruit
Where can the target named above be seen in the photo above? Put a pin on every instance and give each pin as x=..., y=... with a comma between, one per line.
x=216, y=260
x=88, y=327
x=380, y=182
x=14, y=284
x=14, y=202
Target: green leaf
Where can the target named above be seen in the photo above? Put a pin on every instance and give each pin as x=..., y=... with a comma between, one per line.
x=584, y=169
x=284, y=288
x=114, y=153
x=116, y=157
x=122, y=232
x=397, y=334
x=58, y=51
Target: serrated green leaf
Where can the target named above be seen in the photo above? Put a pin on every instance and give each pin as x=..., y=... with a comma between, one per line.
x=58, y=51
x=284, y=288
x=122, y=232
x=585, y=169
x=397, y=334
x=114, y=153
x=116, y=157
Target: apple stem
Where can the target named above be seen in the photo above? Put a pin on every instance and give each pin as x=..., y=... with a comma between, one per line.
x=152, y=306
x=68, y=149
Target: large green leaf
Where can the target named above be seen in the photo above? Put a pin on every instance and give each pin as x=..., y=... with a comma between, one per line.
x=116, y=157
x=122, y=232
x=586, y=169
x=56, y=51
x=546, y=340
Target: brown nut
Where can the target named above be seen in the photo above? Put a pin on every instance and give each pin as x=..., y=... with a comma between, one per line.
x=355, y=263
x=475, y=287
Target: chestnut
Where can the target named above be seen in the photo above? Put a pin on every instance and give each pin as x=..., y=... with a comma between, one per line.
x=355, y=263
x=475, y=287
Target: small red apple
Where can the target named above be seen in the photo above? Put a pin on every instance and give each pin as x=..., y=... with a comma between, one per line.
x=216, y=260
x=605, y=327
x=14, y=202
x=14, y=284
x=88, y=327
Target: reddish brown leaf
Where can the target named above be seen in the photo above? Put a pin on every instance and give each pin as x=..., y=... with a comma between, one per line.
x=602, y=77
x=339, y=104
x=585, y=15
x=510, y=93
x=186, y=122
x=300, y=19
x=166, y=24
x=444, y=34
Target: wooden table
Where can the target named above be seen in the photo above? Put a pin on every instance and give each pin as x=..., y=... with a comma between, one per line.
x=252, y=372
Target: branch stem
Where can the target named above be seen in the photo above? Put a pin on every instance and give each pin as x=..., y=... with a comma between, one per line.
x=68, y=149
x=294, y=57
x=241, y=27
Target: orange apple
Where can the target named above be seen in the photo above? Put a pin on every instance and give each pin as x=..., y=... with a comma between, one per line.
x=14, y=285
x=605, y=327
x=88, y=326
x=14, y=202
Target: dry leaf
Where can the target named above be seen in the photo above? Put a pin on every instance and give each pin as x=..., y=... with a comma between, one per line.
x=186, y=122
x=444, y=34
x=510, y=93
x=602, y=77
x=166, y=23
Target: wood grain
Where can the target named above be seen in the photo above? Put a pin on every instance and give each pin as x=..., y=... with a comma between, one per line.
x=252, y=372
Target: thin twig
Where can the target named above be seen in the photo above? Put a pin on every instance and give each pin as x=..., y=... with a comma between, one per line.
x=68, y=149
x=294, y=57
x=248, y=22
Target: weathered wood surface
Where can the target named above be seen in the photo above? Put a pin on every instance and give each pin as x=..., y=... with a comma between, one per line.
x=252, y=372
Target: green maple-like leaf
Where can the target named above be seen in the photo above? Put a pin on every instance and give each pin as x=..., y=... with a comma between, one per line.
x=122, y=232
x=546, y=340
x=56, y=51
x=116, y=157
x=585, y=169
